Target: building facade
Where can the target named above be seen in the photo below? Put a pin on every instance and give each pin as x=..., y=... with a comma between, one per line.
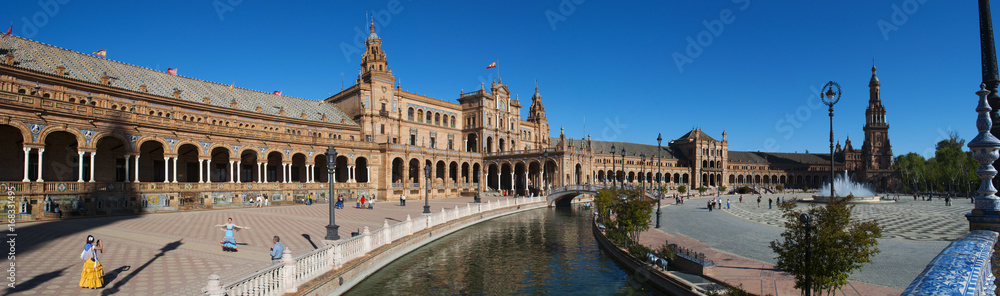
x=92, y=136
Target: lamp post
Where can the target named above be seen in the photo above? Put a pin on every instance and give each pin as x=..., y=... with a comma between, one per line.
x=831, y=99
x=659, y=139
x=427, y=191
x=605, y=172
x=545, y=181
x=623, y=167
x=642, y=173
x=614, y=182
x=806, y=219
x=332, y=230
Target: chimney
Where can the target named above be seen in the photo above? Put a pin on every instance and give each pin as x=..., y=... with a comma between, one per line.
x=303, y=115
x=232, y=104
x=281, y=112
x=206, y=100
x=105, y=80
x=177, y=93
x=8, y=59
x=142, y=88
x=61, y=70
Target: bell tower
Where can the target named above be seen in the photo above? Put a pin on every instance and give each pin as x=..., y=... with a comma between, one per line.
x=876, y=152
x=536, y=115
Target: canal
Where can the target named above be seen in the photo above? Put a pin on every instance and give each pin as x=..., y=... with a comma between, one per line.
x=549, y=251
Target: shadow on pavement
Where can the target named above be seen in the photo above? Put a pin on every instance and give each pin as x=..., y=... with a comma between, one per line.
x=111, y=276
x=309, y=239
x=163, y=251
x=37, y=281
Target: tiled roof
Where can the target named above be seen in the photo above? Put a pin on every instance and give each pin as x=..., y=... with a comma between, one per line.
x=45, y=58
x=779, y=157
x=702, y=135
x=604, y=147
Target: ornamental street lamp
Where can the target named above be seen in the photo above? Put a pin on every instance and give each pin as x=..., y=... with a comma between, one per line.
x=659, y=139
x=832, y=98
x=545, y=181
x=614, y=182
x=806, y=219
x=332, y=230
x=623, y=167
x=427, y=191
x=642, y=174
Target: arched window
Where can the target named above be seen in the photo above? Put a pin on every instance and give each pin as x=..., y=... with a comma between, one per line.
x=437, y=119
x=409, y=113
x=420, y=115
x=430, y=116
x=453, y=121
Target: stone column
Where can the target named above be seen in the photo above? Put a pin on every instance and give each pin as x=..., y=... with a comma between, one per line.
x=231, y=173
x=93, y=155
x=368, y=173
x=128, y=175
x=351, y=173
x=136, y=170
x=201, y=168
x=79, y=167
x=208, y=171
x=41, y=152
x=27, y=155
x=166, y=169
x=284, y=173
x=175, y=169
x=239, y=167
x=260, y=173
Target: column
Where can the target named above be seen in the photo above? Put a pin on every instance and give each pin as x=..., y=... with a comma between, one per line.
x=350, y=173
x=526, y=181
x=239, y=167
x=368, y=172
x=136, y=170
x=208, y=171
x=498, y=178
x=79, y=167
x=41, y=151
x=512, y=179
x=166, y=169
x=201, y=168
x=175, y=169
x=284, y=173
x=93, y=155
x=128, y=175
x=310, y=173
x=232, y=174
x=27, y=153
x=260, y=173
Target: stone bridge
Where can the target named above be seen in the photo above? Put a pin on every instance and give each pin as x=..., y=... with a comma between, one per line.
x=565, y=195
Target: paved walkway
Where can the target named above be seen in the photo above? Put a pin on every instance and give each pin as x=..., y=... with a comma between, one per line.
x=738, y=241
x=174, y=253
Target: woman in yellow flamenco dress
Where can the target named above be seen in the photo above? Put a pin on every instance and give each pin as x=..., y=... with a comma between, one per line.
x=92, y=275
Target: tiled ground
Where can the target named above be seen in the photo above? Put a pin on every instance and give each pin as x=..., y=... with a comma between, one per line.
x=174, y=253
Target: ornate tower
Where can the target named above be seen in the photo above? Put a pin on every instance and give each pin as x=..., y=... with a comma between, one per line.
x=536, y=115
x=876, y=152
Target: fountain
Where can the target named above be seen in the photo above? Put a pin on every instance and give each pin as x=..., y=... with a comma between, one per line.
x=843, y=186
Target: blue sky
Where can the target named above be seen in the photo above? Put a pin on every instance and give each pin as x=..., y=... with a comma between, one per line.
x=611, y=65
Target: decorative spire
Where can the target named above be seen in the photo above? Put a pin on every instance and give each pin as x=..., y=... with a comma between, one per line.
x=371, y=25
x=874, y=80
x=984, y=150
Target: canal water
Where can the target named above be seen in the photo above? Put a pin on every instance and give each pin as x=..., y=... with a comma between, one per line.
x=549, y=251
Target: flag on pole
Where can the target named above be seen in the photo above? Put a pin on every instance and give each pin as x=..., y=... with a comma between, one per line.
x=492, y=65
x=277, y=93
x=231, y=86
x=101, y=53
x=172, y=71
x=321, y=103
x=9, y=30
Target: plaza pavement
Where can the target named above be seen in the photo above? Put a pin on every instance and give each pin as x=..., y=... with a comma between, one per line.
x=174, y=253
x=738, y=240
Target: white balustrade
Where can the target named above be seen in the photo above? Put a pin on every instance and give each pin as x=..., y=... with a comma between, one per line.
x=284, y=278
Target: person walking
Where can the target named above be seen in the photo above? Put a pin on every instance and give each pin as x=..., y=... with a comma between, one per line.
x=402, y=200
x=758, y=201
x=709, y=206
x=769, y=203
x=92, y=276
x=727, y=203
x=277, y=250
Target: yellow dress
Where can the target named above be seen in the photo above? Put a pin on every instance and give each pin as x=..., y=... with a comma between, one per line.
x=92, y=275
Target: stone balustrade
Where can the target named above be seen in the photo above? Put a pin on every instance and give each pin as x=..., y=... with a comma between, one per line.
x=285, y=278
x=963, y=268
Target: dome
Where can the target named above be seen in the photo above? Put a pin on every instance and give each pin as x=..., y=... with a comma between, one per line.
x=372, y=36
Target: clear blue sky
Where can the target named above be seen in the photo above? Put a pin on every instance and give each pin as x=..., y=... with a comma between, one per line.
x=609, y=64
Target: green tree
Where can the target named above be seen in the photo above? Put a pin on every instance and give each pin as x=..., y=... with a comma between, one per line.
x=682, y=189
x=702, y=189
x=625, y=214
x=779, y=188
x=805, y=188
x=840, y=245
x=723, y=188
x=911, y=170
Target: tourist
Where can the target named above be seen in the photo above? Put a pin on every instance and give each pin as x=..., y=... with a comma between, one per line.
x=92, y=275
x=402, y=200
x=370, y=201
x=769, y=203
x=758, y=201
x=229, y=240
x=361, y=201
x=709, y=206
x=727, y=203
x=277, y=250
x=340, y=201
x=260, y=200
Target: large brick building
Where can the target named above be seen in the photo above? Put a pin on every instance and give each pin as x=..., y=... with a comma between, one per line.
x=93, y=135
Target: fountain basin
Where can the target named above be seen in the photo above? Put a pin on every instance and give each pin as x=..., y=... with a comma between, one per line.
x=856, y=199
